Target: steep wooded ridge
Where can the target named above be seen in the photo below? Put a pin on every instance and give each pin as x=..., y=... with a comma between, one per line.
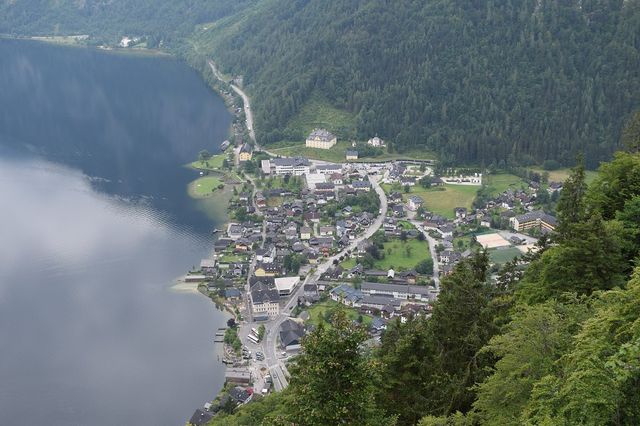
x=499, y=81
x=472, y=80
x=108, y=20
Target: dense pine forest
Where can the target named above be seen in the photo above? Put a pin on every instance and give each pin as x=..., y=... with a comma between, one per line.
x=522, y=80
x=163, y=22
x=556, y=342
x=502, y=82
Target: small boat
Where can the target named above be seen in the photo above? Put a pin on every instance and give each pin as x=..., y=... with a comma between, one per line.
x=227, y=361
x=215, y=231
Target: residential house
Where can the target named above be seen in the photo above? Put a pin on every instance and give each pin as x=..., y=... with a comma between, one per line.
x=267, y=270
x=291, y=333
x=375, y=142
x=245, y=152
x=347, y=295
x=305, y=233
x=361, y=185
x=351, y=155
x=414, y=203
x=200, y=418
x=460, y=212
x=234, y=231
x=208, y=266
x=326, y=231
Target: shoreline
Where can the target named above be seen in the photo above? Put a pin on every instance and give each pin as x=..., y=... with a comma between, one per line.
x=76, y=41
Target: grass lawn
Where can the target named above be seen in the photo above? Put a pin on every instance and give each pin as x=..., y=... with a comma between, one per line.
x=274, y=201
x=204, y=187
x=561, y=175
x=317, y=312
x=317, y=112
x=214, y=163
x=442, y=200
x=397, y=257
x=501, y=182
x=462, y=243
x=504, y=255
x=349, y=263
x=336, y=154
x=229, y=258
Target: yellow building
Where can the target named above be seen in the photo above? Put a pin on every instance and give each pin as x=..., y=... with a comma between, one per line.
x=245, y=152
x=321, y=139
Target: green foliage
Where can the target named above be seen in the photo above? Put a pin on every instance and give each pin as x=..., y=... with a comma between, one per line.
x=571, y=209
x=163, y=23
x=497, y=81
x=430, y=364
x=268, y=411
x=425, y=267
x=631, y=133
x=527, y=350
x=597, y=380
x=365, y=201
x=332, y=381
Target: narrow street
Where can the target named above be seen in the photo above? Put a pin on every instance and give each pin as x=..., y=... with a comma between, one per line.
x=273, y=358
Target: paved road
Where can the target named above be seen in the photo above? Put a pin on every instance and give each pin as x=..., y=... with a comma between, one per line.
x=432, y=248
x=245, y=100
x=273, y=356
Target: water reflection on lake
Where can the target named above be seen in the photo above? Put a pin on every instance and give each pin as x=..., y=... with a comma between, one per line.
x=95, y=224
x=89, y=333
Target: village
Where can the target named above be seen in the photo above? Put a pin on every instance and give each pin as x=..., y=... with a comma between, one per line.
x=308, y=235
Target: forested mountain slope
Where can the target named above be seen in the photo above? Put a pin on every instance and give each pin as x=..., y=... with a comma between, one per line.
x=473, y=80
x=107, y=20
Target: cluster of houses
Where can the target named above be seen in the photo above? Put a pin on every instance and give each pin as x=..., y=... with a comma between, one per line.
x=294, y=227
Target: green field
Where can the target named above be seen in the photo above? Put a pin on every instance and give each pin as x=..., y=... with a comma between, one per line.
x=442, y=200
x=232, y=258
x=504, y=255
x=317, y=312
x=204, y=187
x=319, y=113
x=501, y=182
x=396, y=255
x=214, y=163
x=561, y=175
x=336, y=154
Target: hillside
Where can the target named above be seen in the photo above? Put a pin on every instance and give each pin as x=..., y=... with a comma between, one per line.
x=161, y=21
x=473, y=81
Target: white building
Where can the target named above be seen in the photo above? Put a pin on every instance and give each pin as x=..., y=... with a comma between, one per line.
x=265, y=301
x=414, y=202
x=296, y=166
x=322, y=139
x=285, y=285
x=315, y=178
x=375, y=141
x=399, y=291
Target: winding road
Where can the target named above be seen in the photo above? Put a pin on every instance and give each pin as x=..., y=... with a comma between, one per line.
x=276, y=363
x=245, y=100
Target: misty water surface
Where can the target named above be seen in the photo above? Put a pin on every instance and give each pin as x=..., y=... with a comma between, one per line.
x=95, y=224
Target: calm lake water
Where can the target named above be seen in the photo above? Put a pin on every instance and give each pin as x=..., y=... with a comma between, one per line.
x=95, y=224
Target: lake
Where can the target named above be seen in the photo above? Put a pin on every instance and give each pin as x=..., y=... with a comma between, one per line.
x=95, y=225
